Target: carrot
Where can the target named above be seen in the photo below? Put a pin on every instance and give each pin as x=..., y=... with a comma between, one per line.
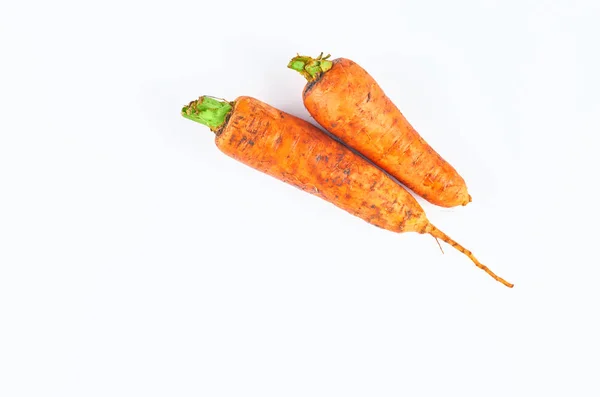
x=345, y=100
x=298, y=153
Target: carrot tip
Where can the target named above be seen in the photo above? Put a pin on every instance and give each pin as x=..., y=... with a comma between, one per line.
x=437, y=233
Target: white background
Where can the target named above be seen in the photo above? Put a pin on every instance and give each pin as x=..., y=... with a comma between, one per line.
x=137, y=260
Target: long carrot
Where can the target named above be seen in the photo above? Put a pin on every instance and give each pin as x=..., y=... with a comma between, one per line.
x=345, y=100
x=298, y=153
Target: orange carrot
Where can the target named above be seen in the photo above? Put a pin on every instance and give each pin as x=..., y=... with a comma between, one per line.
x=345, y=100
x=298, y=153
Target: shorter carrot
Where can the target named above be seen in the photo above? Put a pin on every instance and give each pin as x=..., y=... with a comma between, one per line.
x=346, y=101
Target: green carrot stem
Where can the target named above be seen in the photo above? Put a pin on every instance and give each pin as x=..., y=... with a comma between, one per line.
x=310, y=68
x=208, y=111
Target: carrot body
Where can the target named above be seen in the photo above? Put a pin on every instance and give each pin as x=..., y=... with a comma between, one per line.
x=296, y=152
x=349, y=103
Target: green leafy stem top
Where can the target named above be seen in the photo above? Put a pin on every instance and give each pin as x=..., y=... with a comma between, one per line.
x=311, y=68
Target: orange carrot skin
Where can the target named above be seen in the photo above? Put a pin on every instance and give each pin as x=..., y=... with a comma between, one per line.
x=298, y=153
x=350, y=104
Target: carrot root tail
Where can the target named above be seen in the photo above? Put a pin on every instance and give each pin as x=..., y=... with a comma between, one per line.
x=437, y=233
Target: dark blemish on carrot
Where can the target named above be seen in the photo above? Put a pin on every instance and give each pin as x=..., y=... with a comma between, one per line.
x=251, y=142
x=309, y=86
x=348, y=196
x=334, y=124
x=347, y=171
x=373, y=185
x=278, y=140
x=409, y=214
x=369, y=96
x=326, y=159
x=244, y=139
x=318, y=157
x=372, y=205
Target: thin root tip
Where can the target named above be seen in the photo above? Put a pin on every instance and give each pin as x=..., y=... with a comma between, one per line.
x=437, y=233
x=499, y=279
